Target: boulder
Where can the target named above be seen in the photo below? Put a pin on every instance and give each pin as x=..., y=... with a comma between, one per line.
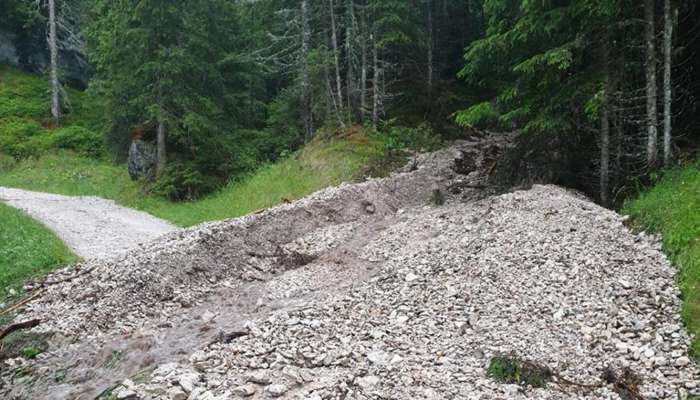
x=142, y=159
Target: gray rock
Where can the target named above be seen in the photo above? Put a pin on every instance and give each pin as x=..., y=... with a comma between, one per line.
x=175, y=393
x=367, y=382
x=259, y=377
x=142, y=159
x=276, y=390
x=188, y=381
x=245, y=390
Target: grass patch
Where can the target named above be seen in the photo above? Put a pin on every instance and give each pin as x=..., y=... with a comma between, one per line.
x=513, y=370
x=322, y=163
x=23, y=344
x=672, y=208
x=27, y=250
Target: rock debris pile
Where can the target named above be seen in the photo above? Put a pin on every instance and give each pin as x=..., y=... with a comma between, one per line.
x=400, y=300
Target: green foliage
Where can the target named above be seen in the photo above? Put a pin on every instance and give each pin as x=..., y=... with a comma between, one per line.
x=182, y=181
x=21, y=138
x=27, y=250
x=512, y=370
x=31, y=352
x=179, y=64
x=531, y=65
x=81, y=140
x=672, y=208
x=480, y=115
x=22, y=95
x=23, y=344
x=24, y=105
x=421, y=138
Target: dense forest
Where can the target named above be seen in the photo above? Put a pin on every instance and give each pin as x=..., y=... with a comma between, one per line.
x=604, y=92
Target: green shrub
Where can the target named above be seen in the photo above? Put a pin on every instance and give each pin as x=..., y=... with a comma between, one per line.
x=182, y=181
x=421, y=138
x=512, y=370
x=22, y=138
x=6, y=162
x=480, y=115
x=78, y=139
x=23, y=95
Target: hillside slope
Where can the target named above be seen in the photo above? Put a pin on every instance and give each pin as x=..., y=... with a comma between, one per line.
x=373, y=290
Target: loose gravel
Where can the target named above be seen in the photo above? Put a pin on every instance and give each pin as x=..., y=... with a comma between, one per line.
x=368, y=291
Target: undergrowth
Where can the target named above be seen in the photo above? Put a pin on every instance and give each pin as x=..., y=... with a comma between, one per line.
x=672, y=208
x=512, y=370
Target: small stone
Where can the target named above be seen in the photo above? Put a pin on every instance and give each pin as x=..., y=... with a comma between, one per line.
x=126, y=394
x=208, y=317
x=411, y=277
x=377, y=357
x=175, y=393
x=682, y=362
x=367, y=382
x=259, y=377
x=187, y=381
x=245, y=390
x=276, y=390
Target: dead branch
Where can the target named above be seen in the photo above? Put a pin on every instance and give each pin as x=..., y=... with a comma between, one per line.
x=21, y=303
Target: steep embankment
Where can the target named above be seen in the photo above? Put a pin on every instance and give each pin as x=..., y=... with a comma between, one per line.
x=369, y=291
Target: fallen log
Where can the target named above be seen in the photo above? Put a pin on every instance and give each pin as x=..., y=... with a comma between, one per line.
x=19, y=326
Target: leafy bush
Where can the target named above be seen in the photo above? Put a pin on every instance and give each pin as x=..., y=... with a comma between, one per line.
x=6, y=163
x=513, y=370
x=480, y=115
x=78, y=139
x=183, y=181
x=421, y=138
x=22, y=95
x=21, y=138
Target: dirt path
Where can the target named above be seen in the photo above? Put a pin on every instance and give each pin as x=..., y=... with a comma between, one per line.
x=92, y=227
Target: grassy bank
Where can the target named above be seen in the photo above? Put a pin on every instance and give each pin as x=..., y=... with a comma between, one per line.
x=27, y=250
x=320, y=164
x=672, y=208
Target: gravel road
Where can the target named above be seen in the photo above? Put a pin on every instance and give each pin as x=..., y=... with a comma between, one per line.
x=92, y=227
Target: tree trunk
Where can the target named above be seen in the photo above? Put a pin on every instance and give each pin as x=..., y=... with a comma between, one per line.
x=605, y=132
x=375, y=83
x=305, y=84
x=161, y=155
x=53, y=48
x=363, y=73
x=349, y=53
x=668, y=38
x=336, y=56
x=650, y=67
x=430, y=48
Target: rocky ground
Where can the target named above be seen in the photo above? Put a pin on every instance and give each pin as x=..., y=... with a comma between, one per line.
x=373, y=290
